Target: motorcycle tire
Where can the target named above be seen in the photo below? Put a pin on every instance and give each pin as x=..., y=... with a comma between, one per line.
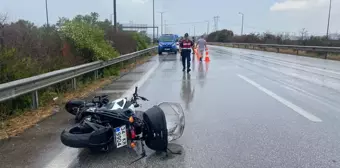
x=83, y=136
x=70, y=105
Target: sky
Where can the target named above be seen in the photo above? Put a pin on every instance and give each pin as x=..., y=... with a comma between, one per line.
x=191, y=16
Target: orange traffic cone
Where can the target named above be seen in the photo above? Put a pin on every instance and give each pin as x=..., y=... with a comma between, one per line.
x=207, y=59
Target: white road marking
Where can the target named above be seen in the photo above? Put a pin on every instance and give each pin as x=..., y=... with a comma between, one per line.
x=139, y=83
x=68, y=155
x=64, y=158
x=285, y=102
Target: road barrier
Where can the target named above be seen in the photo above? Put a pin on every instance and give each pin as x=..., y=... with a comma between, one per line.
x=297, y=48
x=19, y=87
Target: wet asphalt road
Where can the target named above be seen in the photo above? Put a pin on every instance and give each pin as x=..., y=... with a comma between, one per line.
x=243, y=109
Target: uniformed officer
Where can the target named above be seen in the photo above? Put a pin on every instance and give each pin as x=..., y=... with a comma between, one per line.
x=185, y=48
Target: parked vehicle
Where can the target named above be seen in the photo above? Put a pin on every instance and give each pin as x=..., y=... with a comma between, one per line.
x=167, y=43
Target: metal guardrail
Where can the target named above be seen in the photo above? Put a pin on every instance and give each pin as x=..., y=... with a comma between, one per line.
x=19, y=87
x=298, y=48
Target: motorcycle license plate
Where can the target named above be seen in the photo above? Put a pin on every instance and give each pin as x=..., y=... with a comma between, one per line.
x=121, y=137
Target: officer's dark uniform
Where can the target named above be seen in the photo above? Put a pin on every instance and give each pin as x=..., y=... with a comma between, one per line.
x=186, y=46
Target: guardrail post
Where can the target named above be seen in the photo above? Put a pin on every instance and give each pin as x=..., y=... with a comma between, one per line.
x=35, y=100
x=277, y=50
x=74, y=83
x=135, y=61
x=122, y=65
x=297, y=52
x=96, y=74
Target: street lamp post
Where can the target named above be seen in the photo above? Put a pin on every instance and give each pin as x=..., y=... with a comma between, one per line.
x=153, y=22
x=242, y=22
x=115, y=15
x=329, y=16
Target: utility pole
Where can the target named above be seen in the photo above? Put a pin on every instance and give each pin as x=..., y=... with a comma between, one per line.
x=161, y=22
x=115, y=16
x=242, y=22
x=46, y=7
x=329, y=17
x=153, y=22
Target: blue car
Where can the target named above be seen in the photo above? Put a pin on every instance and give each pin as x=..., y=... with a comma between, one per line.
x=167, y=43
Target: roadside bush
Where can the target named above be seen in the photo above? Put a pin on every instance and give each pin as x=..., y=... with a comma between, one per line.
x=27, y=50
x=269, y=38
x=141, y=43
x=88, y=40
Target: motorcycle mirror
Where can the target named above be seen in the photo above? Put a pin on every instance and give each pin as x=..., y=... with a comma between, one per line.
x=136, y=89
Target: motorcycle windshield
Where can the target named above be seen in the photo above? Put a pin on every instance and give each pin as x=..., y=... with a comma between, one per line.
x=175, y=119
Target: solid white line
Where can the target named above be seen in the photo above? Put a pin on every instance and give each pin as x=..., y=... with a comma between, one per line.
x=68, y=155
x=294, y=107
x=64, y=158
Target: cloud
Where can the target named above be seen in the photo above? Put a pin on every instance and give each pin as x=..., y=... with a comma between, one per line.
x=289, y=5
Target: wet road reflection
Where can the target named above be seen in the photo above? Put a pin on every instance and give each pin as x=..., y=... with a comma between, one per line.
x=202, y=73
x=187, y=90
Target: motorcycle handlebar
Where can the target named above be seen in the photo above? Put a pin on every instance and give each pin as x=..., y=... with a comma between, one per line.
x=136, y=89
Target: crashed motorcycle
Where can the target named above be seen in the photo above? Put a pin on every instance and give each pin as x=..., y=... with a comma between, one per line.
x=78, y=107
x=104, y=129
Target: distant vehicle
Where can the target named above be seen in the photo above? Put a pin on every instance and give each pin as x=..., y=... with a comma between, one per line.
x=168, y=43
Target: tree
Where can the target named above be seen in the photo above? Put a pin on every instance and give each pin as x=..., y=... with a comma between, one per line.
x=303, y=34
x=221, y=36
